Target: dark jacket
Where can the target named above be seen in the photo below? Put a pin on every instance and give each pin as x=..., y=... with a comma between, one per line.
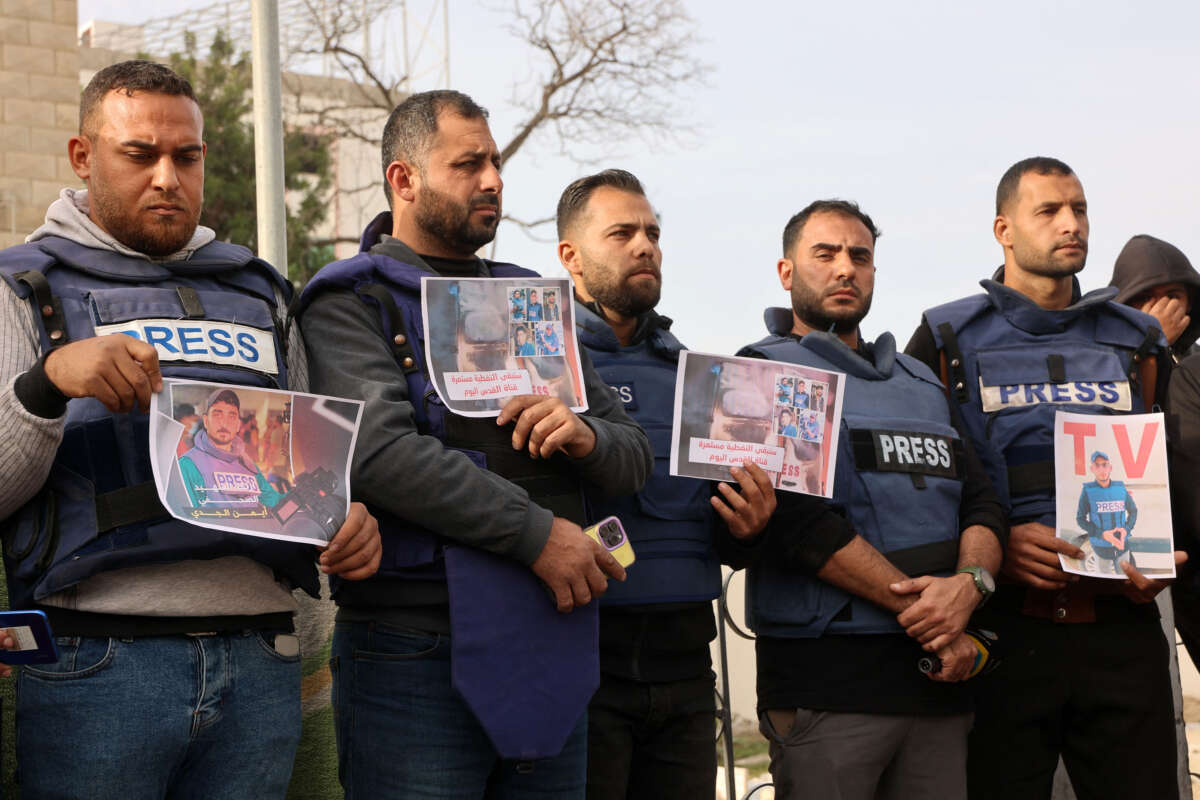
x=1146, y=262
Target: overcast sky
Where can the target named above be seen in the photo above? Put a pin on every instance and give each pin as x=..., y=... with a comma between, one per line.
x=912, y=109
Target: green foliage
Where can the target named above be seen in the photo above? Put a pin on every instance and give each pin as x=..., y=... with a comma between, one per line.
x=223, y=84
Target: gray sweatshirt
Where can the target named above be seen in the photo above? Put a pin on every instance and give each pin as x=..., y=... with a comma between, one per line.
x=230, y=586
x=415, y=477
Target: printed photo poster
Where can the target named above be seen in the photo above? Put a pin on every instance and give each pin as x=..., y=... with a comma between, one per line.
x=256, y=461
x=488, y=339
x=783, y=417
x=1114, y=502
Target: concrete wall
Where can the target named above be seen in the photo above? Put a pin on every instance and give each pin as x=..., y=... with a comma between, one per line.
x=39, y=109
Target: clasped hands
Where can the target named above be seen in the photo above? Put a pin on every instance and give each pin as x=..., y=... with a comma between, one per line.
x=937, y=617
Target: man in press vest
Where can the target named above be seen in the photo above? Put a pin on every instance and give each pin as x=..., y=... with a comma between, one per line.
x=1085, y=658
x=650, y=725
x=455, y=674
x=177, y=668
x=847, y=596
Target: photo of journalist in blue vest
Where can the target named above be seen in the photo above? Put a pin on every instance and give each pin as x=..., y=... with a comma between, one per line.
x=1107, y=513
x=465, y=667
x=1085, y=660
x=178, y=671
x=650, y=724
x=847, y=595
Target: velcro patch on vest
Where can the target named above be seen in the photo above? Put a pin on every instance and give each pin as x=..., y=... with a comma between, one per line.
x=627, y=394
x=906, y=451
x=236, y=482
x=1109, y=506
x=203, y=341
x=1105, y=394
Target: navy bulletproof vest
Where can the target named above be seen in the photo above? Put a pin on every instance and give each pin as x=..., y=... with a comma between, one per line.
x=897, y=481
x=1011, y=364
x=669, y=521
x=213, y=317
x=525, y=670
x=394, y=289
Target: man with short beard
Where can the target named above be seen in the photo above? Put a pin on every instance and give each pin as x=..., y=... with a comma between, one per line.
x=178, y=673
x=1085, y=661
x=454, y=674
x=650, y=724
x=847, y=595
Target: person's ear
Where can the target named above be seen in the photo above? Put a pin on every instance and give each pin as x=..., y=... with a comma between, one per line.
x=785, y=266
x=79, y=153
x=404, y=180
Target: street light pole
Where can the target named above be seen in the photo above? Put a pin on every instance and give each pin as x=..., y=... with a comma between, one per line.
x=268, y=134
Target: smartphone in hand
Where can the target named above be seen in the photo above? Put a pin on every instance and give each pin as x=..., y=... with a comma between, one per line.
x=612, y=537
x=32, y=640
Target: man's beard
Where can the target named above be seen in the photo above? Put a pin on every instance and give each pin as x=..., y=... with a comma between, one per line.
x=617, y=294
x=449, y=221
x=157, y=237
x=222, y=437
x=806, y=304
x=1046, y=264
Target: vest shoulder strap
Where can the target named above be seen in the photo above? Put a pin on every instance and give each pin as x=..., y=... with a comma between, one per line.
x=393, y=323
x=945, y=321
x=23, y=258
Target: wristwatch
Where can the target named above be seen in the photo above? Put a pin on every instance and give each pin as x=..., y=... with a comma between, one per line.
x=984, y=582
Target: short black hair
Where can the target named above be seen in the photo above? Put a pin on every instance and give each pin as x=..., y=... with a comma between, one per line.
x=847, y=208
x=1006, y=190
x=410, y=128
x=575, y=197
x=137, y=75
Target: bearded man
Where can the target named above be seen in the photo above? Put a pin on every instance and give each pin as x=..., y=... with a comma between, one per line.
x=178, y=672
x=650, y=724
x=455, y=675
x=847, y=595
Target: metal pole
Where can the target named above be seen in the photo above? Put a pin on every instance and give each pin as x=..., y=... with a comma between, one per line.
x=727, y=705
x=404, y=38
x=446, y=42
x=268, y=134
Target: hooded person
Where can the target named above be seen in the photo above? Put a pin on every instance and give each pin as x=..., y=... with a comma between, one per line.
x=1156, y=277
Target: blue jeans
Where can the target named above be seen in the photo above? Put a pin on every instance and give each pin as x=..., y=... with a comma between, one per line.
x=159, y=717
x=404, y=732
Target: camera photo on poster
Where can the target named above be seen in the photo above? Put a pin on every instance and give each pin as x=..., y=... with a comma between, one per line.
x=489, y=339
x=1113, y=500
x=257, y=461
x=783, y=417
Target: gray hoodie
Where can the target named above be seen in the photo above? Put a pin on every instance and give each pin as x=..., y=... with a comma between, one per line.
x=68, y=218
x=1146, y=262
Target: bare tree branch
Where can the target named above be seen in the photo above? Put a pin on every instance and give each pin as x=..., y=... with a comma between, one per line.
x=600, y=71
x=611, y=68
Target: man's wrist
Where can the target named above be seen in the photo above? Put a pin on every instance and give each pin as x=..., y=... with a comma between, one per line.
x=981, y=579
x=38, y=394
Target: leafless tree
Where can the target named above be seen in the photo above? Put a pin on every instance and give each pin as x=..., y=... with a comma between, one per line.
x=606, y=69
x=337, y=31
x=600, y=71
